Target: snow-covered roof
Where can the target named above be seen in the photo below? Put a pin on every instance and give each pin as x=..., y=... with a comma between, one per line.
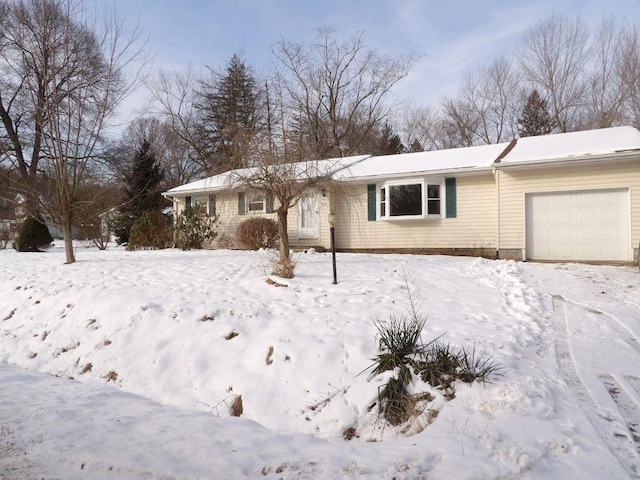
x=574, y=145
x=436, y=161
x=226, y=180
x=562, y=147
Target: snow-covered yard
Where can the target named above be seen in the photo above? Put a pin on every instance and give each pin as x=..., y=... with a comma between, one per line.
x=159, y=345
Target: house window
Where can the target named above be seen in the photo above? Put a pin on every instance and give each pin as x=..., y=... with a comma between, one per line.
x=409, y=200
x=405, y=199
x=433, y=199
x=256, y=202
x=187, y=201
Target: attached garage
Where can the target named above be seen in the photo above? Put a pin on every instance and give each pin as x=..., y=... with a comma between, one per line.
x=580, y=225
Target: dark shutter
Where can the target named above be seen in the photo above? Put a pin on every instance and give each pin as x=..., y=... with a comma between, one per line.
x=241, y=208
x=268, y=208
x=212, y=205
x=450, y=189
x=371, y=202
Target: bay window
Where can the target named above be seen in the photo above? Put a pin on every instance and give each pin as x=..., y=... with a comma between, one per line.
x=413, y=199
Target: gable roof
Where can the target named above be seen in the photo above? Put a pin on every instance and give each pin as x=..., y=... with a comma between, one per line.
x=585, y=146
x=227, y=180
x=437, y=162
x=564, y=147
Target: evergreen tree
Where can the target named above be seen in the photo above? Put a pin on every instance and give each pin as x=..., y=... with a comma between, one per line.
x=141, y=191
x=416, y=146
x=535, y=119
x=228, y=116
x=389, y=143
x=33, y=235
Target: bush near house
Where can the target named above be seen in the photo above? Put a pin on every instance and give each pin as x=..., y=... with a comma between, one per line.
x=194, y=227
x=33, y=236
x=152, y=231
x=257, y=232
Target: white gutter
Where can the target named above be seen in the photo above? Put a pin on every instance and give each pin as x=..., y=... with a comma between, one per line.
x=461, y=171
x=622, y=155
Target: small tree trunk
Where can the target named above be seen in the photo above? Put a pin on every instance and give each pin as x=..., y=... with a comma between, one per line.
x=68, y=237
x=285, y=256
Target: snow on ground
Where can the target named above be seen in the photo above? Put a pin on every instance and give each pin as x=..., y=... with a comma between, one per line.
x=159, y=344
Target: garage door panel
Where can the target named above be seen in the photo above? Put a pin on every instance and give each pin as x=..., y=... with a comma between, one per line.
x=585, y=199
x=561, y=217
x=578, y=225
x=587, y=234
x=586, y=252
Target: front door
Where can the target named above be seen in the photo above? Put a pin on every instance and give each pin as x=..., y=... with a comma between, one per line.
x=309, y=215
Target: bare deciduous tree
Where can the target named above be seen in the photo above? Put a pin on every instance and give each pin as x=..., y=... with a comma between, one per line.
x=66, y=76
x=174, y=96
x=629, y=66
x=171, y=151
x=606, y=86
x=285, y=183
x=554, y=55
x=337, y=90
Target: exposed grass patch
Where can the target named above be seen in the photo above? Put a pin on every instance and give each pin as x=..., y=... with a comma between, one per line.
x=269, y=359
x=232, y=334
x=350, y=433
x=236, y=406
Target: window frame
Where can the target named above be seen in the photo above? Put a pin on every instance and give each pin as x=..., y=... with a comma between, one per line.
x=255, y=197
x=207, y=203
x=384, y=193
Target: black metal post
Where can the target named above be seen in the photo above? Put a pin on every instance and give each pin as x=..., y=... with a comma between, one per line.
x=333, y=253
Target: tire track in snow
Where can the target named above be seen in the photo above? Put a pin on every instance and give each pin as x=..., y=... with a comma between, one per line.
x=621, y=446
x=629, y=407
x=612, y=322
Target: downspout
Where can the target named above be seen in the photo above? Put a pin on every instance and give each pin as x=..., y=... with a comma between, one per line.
x=496, y=176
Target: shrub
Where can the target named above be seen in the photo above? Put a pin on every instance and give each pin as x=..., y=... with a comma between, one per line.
x=194, y=228
x=282, y=268
x=33, y=235
x=257, y=232
x=399, y=346
x=439, y=364
x=151, y=231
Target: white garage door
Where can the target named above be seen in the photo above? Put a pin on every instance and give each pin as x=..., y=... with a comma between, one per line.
x=579, y=225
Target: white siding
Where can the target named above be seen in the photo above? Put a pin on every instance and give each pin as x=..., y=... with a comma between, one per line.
x=474, y=227
x=515, y=184
x=228, y=219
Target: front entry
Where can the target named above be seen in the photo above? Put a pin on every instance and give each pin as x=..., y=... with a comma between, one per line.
x=309, y=215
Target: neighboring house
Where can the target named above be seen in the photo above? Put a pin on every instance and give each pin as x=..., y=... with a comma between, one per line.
x=12, y=214
x=572, y=196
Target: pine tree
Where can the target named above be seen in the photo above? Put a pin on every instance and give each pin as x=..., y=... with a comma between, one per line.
x=33, y=235
x=141, y=191
x=416, y=146
x=229, y=114
x=535, y=119
x=389, y=142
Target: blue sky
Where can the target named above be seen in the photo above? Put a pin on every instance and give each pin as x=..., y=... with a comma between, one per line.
x=452, y=36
